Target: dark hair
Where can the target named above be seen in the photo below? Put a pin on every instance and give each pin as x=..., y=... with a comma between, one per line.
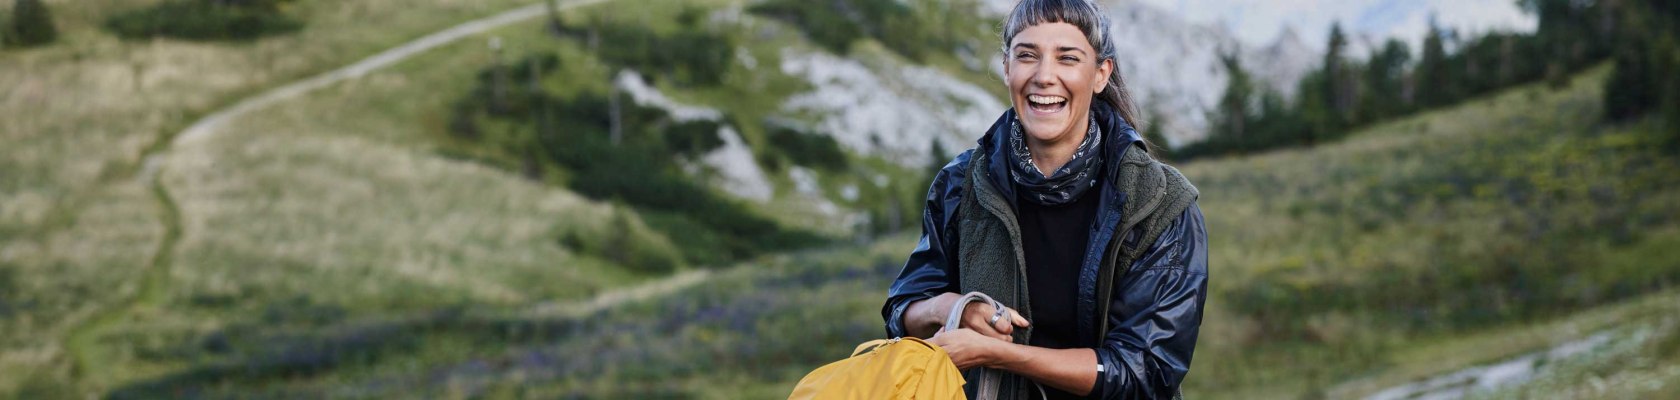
x=1091, y=20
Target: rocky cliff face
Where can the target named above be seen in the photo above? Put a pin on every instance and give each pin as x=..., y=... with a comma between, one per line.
x=886, y=107
x=1174, y=67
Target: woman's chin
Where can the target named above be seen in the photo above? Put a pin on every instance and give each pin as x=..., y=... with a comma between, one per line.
x=1044, y=127
x=1044, y=132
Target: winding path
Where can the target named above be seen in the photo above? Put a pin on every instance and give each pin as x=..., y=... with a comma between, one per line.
x=81, y=338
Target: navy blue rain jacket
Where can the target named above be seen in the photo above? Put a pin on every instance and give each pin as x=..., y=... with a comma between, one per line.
x=1156, y=307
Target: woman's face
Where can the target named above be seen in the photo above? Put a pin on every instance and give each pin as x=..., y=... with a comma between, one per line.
x=1053, y=73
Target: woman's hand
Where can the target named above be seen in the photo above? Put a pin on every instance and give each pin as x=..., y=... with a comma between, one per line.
x=969, y=349
x=925, y=318
x=978, y=317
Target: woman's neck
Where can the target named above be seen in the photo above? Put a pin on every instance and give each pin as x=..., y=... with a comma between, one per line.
x=1050, y=156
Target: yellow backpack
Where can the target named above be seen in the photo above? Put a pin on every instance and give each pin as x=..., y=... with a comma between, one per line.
x=902, y=368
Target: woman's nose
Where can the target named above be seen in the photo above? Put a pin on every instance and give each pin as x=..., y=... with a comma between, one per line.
x=1043, y=77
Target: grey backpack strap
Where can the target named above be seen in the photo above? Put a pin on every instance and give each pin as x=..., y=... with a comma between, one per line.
x=954, y=319
x=989, y=379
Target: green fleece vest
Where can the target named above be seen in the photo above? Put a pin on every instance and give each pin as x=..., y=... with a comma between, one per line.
x=991, y=261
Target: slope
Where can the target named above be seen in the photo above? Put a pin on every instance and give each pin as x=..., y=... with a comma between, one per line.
x=1340, y=271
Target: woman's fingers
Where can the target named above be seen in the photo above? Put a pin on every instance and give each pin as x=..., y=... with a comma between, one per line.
x=1004, y=324
x=1017, y=319
x=1005, y=334
x=978, y=316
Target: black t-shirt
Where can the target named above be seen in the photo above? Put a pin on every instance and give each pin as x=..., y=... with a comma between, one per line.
x=1054, y=239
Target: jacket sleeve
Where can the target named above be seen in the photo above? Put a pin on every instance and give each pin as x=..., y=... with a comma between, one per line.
x=932, y=267
x=1155, y=314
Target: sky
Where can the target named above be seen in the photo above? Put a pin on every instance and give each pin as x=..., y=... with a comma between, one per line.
x=1260, y=21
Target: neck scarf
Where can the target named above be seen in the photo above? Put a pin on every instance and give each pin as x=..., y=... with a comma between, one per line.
x=1069, y=181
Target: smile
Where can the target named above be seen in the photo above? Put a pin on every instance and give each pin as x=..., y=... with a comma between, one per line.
x=1046, y=104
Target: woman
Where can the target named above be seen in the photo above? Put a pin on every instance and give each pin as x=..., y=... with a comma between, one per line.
x=1060, y=214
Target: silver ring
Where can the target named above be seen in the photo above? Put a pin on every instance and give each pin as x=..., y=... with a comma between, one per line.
x=997, y=316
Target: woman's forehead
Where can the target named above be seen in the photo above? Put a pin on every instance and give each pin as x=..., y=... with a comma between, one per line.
x=1051, y=35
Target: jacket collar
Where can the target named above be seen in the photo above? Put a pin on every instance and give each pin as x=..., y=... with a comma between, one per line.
x=1118, y=134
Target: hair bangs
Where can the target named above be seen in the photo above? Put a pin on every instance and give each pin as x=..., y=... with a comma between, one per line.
x=1079, y=13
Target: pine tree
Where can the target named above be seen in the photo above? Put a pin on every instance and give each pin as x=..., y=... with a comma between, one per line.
x=31, y=25
x=1384, y=80
x=1433, y=82
x=937, y=158
x=1629, y=92
x=1231, y=119
x=1337, y=89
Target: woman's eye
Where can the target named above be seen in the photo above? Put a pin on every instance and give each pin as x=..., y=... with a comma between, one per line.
x=1070, y=59
x=1023, y=56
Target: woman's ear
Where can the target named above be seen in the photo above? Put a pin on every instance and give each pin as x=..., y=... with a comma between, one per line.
x=1104, y=71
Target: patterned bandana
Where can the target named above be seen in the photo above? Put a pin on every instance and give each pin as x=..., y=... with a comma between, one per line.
x=1068, y=182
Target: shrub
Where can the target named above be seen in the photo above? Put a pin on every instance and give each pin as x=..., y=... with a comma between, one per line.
x=1666, y=60
x=31, y=25
x=626, y=243
x=236, y=20
x=8, y=289
x=823, y=25
x=808, y=149
x=693, y=138
x=912, y=29
x=1630, y=93
x=1645, y=57
x=691, y=55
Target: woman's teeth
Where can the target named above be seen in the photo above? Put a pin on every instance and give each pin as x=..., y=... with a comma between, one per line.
x=1037, y=99
x=1046, y=103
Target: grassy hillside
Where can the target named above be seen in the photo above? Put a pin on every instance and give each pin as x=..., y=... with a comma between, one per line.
x=1516, y=207
x=742, y=332
x=79, y=227
x=342, y=208
x=350, y=243
x=1326, y=284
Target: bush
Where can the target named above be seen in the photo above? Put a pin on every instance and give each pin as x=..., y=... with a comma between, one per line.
x=626, y=243
x=8, y=289
x=1671, y=113
x=31, y=25
x=692, y=55
x=808, y=149
x=912, y=29
x=693, y=138
x=1646, y=54
x=1630, y=91
x=823, y=25
x=236, y=20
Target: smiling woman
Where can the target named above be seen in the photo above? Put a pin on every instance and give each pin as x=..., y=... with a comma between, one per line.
x=1097, y=251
